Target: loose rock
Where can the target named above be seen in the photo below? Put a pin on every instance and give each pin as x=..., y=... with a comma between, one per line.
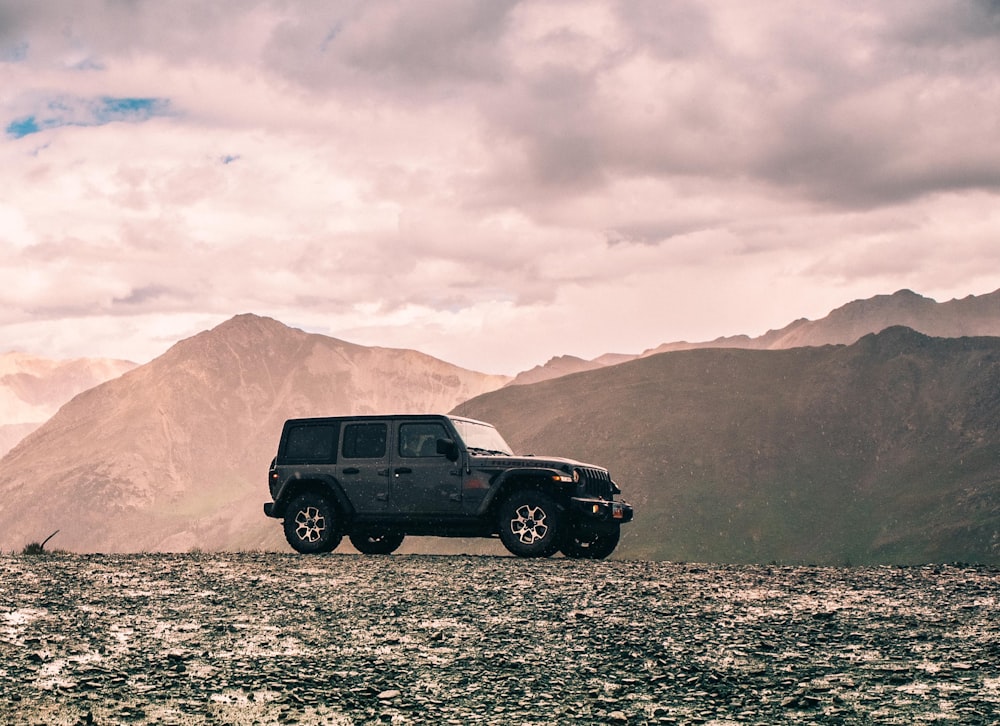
x=340, y=639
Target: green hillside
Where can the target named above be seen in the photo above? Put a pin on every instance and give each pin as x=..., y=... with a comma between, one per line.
x=885, y=451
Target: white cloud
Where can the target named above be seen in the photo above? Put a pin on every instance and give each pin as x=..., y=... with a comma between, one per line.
x=494, y=183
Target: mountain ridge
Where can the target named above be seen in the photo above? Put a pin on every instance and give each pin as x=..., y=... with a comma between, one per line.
x=972, y=315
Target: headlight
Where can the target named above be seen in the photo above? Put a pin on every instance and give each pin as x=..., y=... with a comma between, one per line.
x=576, y=475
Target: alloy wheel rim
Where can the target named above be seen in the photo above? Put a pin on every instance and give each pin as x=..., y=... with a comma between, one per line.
x=528, y=524
x=309, y=524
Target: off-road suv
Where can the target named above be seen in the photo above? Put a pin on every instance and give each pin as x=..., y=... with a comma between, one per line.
x=377, y=479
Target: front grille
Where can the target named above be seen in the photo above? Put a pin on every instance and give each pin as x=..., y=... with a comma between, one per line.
x=597, y=483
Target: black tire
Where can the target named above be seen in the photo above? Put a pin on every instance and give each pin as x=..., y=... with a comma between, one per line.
x=376, y=543
x=531, y=524
x=592, y=546
x=311, y=524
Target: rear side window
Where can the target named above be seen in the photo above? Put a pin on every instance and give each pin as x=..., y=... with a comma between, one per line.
x=364, y=441
x=314, y=443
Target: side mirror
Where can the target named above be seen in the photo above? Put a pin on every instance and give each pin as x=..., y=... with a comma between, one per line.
x=449, y=448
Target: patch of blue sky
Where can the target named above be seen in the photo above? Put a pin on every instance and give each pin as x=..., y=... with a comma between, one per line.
x=23, y=127
x=129, y=109
x=72, y=111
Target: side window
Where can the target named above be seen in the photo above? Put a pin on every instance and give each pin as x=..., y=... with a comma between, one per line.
x=420, y=439
x=364, y=441
x=316, y=443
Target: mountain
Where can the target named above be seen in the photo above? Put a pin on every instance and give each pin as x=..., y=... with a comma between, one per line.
x=970, y=316
x=883, y=451
x=563, y=365
x=559, y=366
x=174, y=454
x=32, y=389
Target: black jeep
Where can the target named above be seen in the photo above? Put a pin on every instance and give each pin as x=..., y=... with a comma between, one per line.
x=379, y=478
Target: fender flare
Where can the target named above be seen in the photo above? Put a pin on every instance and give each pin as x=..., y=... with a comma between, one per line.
x=327, y=485
x=544, y=479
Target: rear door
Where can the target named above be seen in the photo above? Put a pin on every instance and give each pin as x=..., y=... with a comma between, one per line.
x=364, y=465
x=423, y=481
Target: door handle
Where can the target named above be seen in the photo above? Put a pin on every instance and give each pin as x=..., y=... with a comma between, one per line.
x=352, y=470
x=404, y=470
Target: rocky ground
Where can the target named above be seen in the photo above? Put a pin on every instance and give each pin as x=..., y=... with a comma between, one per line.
x=344, y=639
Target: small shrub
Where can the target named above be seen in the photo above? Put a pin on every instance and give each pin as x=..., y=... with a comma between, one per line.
x=36, y=548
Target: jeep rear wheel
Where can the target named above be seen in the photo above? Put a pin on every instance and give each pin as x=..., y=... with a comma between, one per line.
x=531, y=524
x=591, y=546
x=310, y=524
x=376, y=543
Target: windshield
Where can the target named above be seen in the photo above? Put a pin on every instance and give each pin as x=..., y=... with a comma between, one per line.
x=481, y=438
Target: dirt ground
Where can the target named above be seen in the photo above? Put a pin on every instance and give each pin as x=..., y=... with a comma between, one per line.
x=268, y=638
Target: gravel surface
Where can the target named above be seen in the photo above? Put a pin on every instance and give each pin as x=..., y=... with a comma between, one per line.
x=344, y=639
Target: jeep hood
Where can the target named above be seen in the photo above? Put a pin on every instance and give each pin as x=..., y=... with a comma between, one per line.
x=531, y=462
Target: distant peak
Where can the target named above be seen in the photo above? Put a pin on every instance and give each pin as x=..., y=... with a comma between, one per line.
x=907, y=293
x=249, y=322
x=244, y=318
x=239, y=330
x=893, y=340
x=899, y=300
x=564, y=359
x=903, y=295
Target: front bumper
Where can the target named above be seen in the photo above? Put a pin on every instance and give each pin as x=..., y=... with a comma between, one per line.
x=601, y=510
x=269, y=510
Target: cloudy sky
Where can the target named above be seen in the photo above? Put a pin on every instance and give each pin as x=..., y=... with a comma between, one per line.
x=493, y=183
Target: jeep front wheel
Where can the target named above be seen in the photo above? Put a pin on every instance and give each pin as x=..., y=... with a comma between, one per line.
x=592, y=546
x=531, y=524
x=374, y=543
x=310, y=524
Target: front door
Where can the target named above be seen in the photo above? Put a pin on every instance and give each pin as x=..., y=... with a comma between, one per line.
x=364, y=465
x=423, y=481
